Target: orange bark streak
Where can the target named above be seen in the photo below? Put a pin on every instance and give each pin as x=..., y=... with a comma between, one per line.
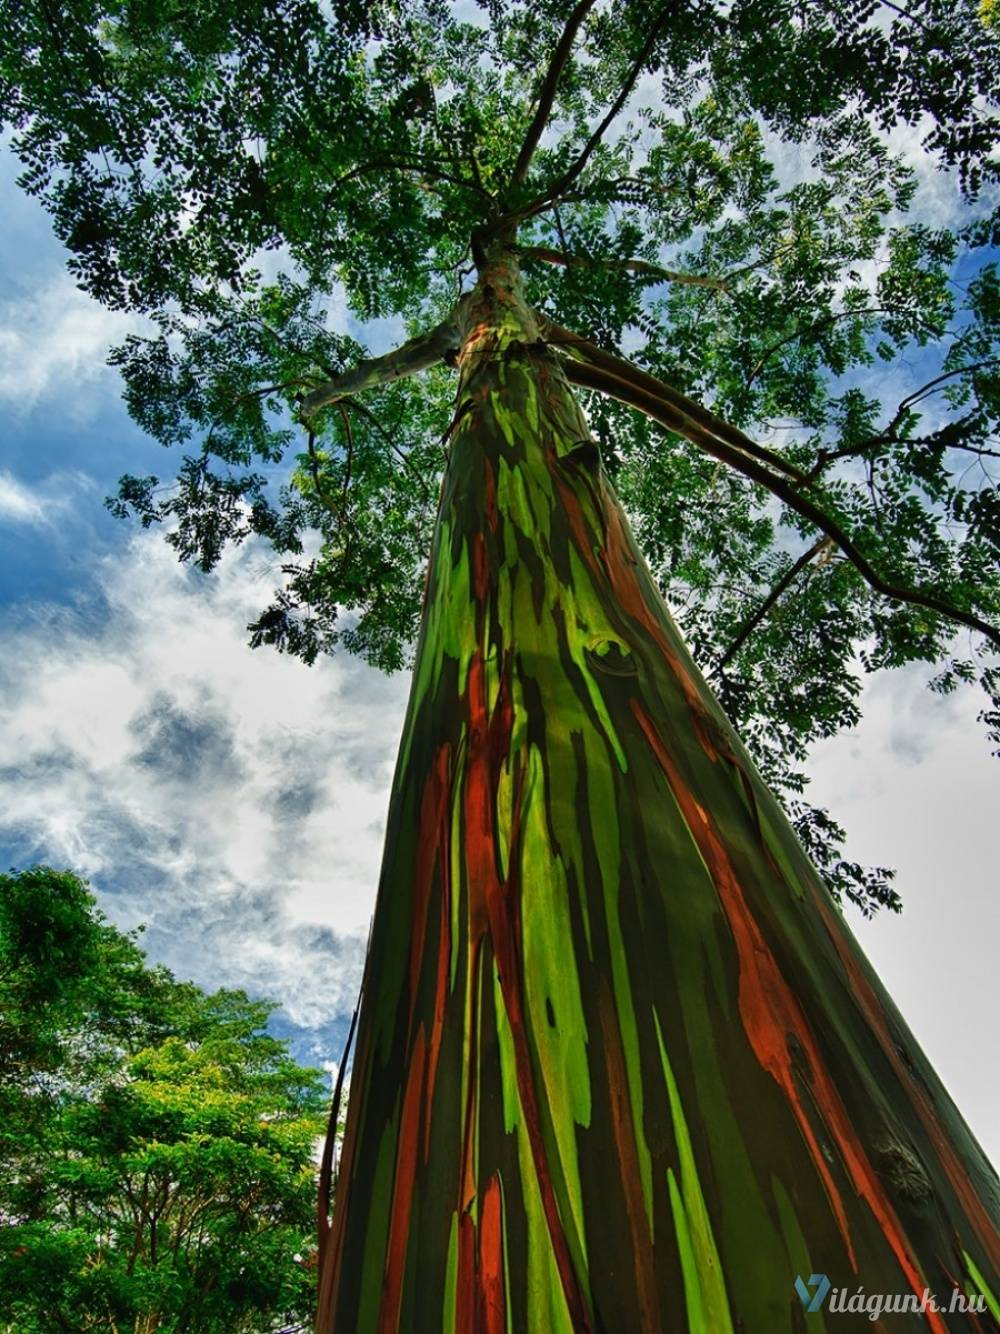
x=493, y=908
x=465, y=1296
x=491, y=1268
x=770, y=1013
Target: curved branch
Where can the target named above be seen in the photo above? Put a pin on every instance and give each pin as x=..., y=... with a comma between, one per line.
x=546, y=96
x=628, y=389
x=638, y=266
x=326, y=1179
x=785, y=582
x=407, y=462
x=417, y=355
x=677, y=402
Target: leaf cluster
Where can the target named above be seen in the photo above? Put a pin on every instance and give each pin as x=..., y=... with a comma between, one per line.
x=708, y=188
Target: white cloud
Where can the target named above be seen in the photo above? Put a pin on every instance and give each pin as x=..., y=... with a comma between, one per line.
x=54, y=343
x=232, y=800
x=917, y=789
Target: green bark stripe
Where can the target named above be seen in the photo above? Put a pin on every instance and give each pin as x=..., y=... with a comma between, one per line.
x=981, y=1285
x=704, y=1283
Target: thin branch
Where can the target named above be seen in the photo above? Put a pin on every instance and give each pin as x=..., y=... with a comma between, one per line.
x=890, y=435
x=325, y=500
x=639, y=266
x=627, y=385
x=568, y=177
x=396, y=164
x=546, y=96
x=864, y=447
x=404, y=458
x=326, y=1162
x=349, y=462
x=677, y=402
x=905, y=13
x=755, y=617
x=814, y=328
x=415, y=356
x=932, y=385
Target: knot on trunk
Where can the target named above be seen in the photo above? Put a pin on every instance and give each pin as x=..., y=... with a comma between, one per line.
x=902, y=1171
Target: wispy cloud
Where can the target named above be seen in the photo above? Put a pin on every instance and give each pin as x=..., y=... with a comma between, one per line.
x=43, y=503
x=54, y=344
x=18, y=503
x=232, y=800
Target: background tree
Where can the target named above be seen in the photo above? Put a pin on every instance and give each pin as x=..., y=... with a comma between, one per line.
x=620, y=1064
x=158, y=1146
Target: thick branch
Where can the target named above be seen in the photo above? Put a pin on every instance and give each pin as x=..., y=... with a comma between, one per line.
x=677, y=402
x=546, y=96
x=638, y=266
x=627, y=386
x=785, y=582
x=415, y=356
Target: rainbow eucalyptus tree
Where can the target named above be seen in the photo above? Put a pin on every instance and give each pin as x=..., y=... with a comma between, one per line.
x=667, y=333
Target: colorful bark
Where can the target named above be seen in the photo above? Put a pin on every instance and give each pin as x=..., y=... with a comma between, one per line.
x=621, y=1065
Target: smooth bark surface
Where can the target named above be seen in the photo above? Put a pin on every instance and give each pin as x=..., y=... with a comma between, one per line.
x=621, y=1064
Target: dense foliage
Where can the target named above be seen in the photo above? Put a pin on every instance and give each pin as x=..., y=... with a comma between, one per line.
x=720, y=190
x=157, y=1145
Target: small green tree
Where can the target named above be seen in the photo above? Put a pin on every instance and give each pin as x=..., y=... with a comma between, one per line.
x=158, y=1146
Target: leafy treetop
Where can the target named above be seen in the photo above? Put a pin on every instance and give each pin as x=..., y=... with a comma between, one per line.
x=158, y=1144
x=805, y=426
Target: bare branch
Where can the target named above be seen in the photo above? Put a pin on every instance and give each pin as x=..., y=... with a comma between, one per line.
x=627, y=384
x=326, y=1167
x=639, y=266
x=679, y=403
x=785, y=582
x=415, y=356
x=547, y=93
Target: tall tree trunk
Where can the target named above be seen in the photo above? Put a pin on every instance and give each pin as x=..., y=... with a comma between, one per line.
x=621, y=1064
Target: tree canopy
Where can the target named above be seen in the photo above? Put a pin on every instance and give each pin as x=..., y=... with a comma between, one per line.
x=805, y=428
x=158, y=1145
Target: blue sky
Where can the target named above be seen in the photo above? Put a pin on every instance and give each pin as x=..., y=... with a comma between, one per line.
x=234, y=800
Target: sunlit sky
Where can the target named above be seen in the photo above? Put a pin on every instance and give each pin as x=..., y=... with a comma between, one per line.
x=234, y=800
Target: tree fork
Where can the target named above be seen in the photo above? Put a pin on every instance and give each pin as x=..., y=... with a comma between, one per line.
x=621, y=1064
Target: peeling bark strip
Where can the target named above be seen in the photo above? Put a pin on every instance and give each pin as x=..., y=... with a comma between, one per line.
x=621, y=1066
